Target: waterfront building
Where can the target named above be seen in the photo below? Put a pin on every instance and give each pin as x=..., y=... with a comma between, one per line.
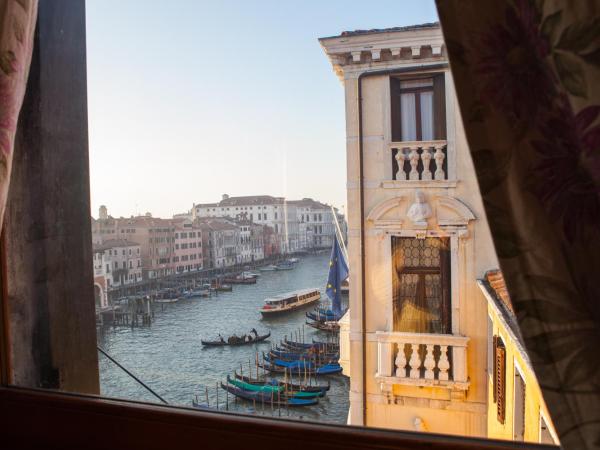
x=187, y=256
x=224, y=246
x=417, y=324
x=316, y=223
x=260, y=209
x=299, y=224
x=117, y=263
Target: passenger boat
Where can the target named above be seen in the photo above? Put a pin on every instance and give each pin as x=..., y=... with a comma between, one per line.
x=240, y=280
x=269, y=268
x=167, y=300
x=248, y=274
x=197, y=293
x=224, y=288
x=319, y=388
x=272, y=398
x=290, y=301
x=270, y=388
x=236, y=341
x=285, y=265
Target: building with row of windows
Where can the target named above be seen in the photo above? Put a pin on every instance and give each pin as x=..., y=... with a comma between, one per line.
x=298, y=224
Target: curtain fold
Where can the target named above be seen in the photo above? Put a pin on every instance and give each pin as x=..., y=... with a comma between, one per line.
x=527, y=79
x=17, y=26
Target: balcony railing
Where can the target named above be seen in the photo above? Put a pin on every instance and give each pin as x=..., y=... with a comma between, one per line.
x=420, y=160
x=421, y=359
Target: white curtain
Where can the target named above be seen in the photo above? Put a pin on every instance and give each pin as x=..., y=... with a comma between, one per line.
x=427, y=116
x=407, y=114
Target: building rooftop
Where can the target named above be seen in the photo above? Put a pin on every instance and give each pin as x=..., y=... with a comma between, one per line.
x=495, y=286
x=389, y=30
x=309, y=203
x=114, y=243
x=248, y=200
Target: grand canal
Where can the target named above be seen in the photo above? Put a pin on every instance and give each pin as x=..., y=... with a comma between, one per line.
x=169, y=357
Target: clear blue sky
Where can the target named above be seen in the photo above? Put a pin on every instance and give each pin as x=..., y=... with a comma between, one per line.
x=192, y=99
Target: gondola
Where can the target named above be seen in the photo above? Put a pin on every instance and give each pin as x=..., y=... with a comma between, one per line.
x=301, y=366
x=289, y=354
x=322, y=388
x=270, y=398
x=278, y=391
x=224, y=343
x=330, y=327
x=330, y=369
x=322, y=315
x=320, y=344
x=316, y=358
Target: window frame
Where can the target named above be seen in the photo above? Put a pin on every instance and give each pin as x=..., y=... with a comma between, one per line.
x=41, y=414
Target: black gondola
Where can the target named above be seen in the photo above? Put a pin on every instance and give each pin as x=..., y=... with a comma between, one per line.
x=235, y=341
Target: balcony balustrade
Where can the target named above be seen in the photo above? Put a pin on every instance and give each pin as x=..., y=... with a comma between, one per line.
x=420, y=359
x=420, y=160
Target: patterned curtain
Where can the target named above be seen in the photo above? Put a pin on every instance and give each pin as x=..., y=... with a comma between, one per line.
x=527, y=76
x=17, y=25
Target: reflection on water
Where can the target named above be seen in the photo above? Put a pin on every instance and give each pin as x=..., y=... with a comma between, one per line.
x=169, y=358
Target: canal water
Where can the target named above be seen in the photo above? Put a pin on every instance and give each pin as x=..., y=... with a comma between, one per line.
x=169, y=357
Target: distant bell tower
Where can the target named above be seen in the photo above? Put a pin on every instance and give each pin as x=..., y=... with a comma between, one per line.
x=103, y=213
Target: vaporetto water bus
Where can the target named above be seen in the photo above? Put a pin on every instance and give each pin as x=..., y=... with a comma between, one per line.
x=289, y=301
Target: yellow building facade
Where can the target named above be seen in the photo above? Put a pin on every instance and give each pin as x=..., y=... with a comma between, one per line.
x=516, y=408
x=415, y=339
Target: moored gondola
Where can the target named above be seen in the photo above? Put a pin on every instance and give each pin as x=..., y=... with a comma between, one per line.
x=268, y=398
x=322, y=388
x=278, y=391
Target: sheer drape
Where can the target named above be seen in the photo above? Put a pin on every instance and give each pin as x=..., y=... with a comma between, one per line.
x=17, y=25
x=527, y=79
x=408, y=117
x=426, y=116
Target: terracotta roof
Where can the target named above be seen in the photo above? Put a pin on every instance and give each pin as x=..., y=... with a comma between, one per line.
x=114, y=243
x=496, y=282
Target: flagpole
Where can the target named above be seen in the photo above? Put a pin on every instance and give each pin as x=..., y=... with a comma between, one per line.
x=339, y=234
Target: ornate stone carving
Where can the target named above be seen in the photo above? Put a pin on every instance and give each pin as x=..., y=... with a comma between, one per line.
x=420, y=210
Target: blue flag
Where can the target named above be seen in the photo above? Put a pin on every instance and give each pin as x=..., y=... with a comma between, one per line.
x=338, y=272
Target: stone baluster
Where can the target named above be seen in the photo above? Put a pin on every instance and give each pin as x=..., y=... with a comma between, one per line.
x=439, y=161
x=429, y=362
x=413, y=156
x=426, y=158
x=443, y=363
x=400, y=158
x=415, y=362
x=400, y=361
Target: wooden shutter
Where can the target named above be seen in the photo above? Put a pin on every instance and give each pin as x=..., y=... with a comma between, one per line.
x=439, y=107
x=500, y=379
x=395, y=109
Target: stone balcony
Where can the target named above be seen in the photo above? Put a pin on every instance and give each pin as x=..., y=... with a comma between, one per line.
x=420, y=163
x=420, y=359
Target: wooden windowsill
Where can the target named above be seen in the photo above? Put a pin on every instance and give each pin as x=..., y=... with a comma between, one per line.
x=42, y=419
